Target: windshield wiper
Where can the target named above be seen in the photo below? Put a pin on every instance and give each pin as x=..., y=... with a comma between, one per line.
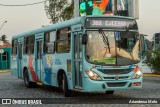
x=126, y=32
x=105, y=39
x=125, y=35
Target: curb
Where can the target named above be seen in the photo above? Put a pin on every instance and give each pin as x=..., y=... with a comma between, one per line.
x=151, y=75
x=3, y=71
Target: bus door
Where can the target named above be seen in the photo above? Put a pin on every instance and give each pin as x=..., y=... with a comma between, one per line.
x=38, y=58
x=77, y=72
x=20, y=69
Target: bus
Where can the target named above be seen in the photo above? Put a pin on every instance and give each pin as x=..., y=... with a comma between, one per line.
x=85, y=54
x=147, y=47
x=156, y=41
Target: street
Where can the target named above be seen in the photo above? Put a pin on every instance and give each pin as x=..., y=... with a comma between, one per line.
x=11, y=87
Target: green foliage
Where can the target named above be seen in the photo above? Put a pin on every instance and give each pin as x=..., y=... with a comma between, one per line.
x=82, y=11
x=59, y=10
x=3, y=38
x=68, y=11
x=153, y=60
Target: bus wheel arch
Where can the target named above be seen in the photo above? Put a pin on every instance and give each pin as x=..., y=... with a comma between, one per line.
x=63, y=83
x=27, y=82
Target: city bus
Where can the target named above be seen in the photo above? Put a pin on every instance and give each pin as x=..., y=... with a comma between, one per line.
x=85, y=54
x=156, y=41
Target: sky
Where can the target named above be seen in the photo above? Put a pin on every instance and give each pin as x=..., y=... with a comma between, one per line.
x=22, y=19
x=26, y=18
x=149, y=17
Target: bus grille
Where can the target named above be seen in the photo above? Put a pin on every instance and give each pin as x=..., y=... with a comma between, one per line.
x=115, y=71
x=118, y=84
x=113, y=78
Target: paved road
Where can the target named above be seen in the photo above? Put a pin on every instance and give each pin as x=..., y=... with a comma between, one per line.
x=10, y=87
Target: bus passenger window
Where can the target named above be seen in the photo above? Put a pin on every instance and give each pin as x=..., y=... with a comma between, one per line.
x=49, y=41
x=29, y=45
x=157, y=40
x=63, y=40
x=14, y=47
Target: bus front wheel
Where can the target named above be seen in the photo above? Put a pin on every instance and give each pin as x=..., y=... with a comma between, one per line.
x=66, y=90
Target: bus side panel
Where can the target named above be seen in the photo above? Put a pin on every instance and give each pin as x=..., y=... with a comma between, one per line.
x=60, y=62
x=29, y=63
x=51, y=65
x=47, y=61
x=31, y=68
x=14, y=66
x=49, y=72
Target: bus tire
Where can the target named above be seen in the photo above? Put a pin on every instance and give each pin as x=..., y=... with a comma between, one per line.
x=66, y=90
x=27, y=83
x=109, y=92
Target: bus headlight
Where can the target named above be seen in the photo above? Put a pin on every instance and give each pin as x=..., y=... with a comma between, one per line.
x=137, y=74
x=92, y=75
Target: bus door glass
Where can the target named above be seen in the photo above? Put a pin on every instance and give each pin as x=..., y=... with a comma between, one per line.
x=77, y=60
x=38, y=58
x=20, y=70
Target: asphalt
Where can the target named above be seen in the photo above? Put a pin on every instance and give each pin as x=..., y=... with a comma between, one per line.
x=11, y=87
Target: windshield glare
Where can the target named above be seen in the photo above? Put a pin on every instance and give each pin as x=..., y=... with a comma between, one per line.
x=109, y=47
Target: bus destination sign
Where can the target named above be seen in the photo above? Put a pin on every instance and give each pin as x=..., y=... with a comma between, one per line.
x=111, y=23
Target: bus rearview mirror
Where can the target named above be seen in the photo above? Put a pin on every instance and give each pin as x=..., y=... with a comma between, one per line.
x=84, y=39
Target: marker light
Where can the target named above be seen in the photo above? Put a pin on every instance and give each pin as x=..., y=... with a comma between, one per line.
x=136, y=84
x=137, y=73
x=92, y=75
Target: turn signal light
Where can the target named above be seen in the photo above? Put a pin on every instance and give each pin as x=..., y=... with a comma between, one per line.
x=136, y=84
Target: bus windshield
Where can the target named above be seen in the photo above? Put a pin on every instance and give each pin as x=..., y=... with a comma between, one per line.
x=112, y=47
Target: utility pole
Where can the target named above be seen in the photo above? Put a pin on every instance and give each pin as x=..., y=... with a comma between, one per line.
x=76, y=8
x=133, y=8
x=114, y=6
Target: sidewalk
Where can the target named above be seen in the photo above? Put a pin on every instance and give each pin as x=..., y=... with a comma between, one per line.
x=4, y=71
x=147, y=72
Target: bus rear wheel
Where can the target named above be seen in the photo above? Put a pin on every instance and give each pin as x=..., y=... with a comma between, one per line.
x=27, y=83
x=109, y=92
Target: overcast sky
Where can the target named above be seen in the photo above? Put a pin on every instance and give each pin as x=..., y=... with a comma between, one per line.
x=21, y=19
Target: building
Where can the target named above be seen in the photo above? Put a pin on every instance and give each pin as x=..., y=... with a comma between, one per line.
x=129, y=8
x=5, y=55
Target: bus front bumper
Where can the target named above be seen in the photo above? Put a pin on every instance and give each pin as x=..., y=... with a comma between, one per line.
x=102, y=86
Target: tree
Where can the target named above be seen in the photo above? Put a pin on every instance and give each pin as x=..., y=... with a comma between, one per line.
x=153, y=60
x=59, y=10
x=4, y=38
x=68, y=11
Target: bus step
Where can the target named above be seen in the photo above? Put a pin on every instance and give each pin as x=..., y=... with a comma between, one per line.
x=77, y=90
x=39, y=83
